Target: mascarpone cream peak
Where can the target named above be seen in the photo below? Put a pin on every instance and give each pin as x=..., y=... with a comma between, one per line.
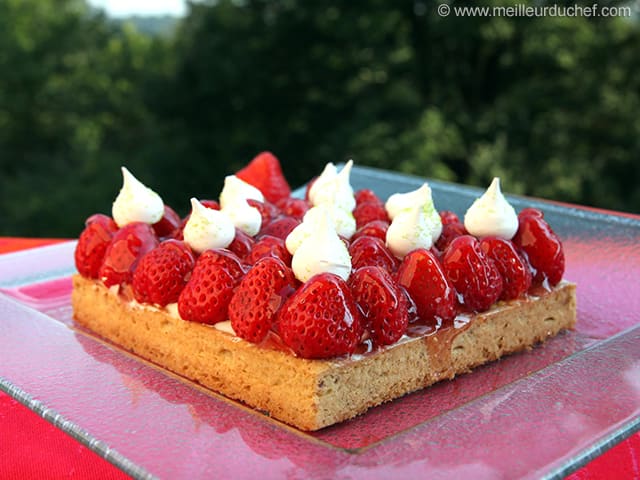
x=136, y=202
x=207, y=228
x=334, y=188
x=492, y=215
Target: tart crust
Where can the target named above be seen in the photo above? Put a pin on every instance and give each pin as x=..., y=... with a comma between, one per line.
x=312, y=394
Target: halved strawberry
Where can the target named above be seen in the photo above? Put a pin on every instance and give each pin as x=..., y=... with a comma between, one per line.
x=93, y=243
x=321, y=319
x=127, y=246
x=162, y=273
x=474, y=275
x=258, y=298
x=206, y=297
x=383, y=304
x=422, y=276
x=265, y=173
x=516, y=276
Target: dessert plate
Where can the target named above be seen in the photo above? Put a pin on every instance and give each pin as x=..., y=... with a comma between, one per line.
x=540, y=413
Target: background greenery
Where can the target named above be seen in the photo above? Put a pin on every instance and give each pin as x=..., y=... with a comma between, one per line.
x=550, y=104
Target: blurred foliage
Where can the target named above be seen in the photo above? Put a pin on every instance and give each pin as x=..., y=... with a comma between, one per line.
x=548, y=103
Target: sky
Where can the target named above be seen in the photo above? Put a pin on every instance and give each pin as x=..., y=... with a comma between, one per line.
x=119, y=8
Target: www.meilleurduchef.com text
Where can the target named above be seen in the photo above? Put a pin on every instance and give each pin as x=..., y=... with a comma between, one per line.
x=523, y=10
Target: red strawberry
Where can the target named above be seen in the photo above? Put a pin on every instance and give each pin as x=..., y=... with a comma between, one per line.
x=206, y=297
x=241, y=244
x=294, y=207
x=268, y=211
x=321, y=319
x=168, y=224
x=447, y=216
x=212, y=204
x=127, y=246
x=377, y=228
x=93, y=243
x=264, y=173
x=474, y=276
x=449, y=232
x=541, y=245
x=531, y=211
x=258, y=297
x=433, y=294
x=228, y=260
x=367, y=196
x=268, y=246
x=281, y=227
x=383, y=304
x=516, y=276
x=371, y=251
x=162, y=273
x=368, y=212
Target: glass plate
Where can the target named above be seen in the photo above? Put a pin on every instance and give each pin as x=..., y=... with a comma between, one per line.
x=544, y=412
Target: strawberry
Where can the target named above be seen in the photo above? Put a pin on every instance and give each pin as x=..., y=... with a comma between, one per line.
x=241, y=244
x=383, y=304
x=127, y=246
x=268, y=211
x=264, y=173
x=228, y=260
x=377, y=228
x=268, y=246
x=449, y=232
x=206, y=297
x=368, y=212
x=294, y=207
x=168, y=224
x=541, y=245
x=162, y=273
x=371, y=251
x=258, y=297
x=93, y=243
x=516, y=276
x=212, y=204
x=433, y=294
x=474, y=276
x=321, y=319
x=447, y=216
x=367, y=196
x=281, y=227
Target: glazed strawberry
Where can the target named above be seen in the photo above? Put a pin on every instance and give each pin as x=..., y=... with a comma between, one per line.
x=447, y=216
x=383, y=304
x=206, y=297
x=368, y=212
x=227, y=260
x=264, y=173
x=516, y=276
x=93, y=243
x=449, y=232
x=377, y=228
x=367, y=196
x=474, y=276
x=162, y=273
x=168, y=224
x=531, y=211
x=212, y=204
x=371, y=251
x=241, y=244
x=258, y=297
x=541, y=245
x=321, y=319
x=268, y=211
x=281, y=227
x=433, y=294
x=293, y=207
x=268, y=246
x=127, y=246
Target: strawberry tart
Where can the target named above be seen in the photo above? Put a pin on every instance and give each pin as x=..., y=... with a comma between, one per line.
x=314, y=310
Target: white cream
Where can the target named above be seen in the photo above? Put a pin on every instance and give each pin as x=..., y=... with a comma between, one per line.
x=334, y=188
x=321, y=251
x=235, y=190
x=491, y=215
x=136, y=202
x=343, y=223
x=398, y=202
x=413, y=228
x=208, y=228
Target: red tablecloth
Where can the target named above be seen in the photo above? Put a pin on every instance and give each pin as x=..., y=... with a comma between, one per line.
x=32, y=448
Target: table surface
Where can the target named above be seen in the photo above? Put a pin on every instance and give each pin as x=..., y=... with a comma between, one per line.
x=30, y=447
